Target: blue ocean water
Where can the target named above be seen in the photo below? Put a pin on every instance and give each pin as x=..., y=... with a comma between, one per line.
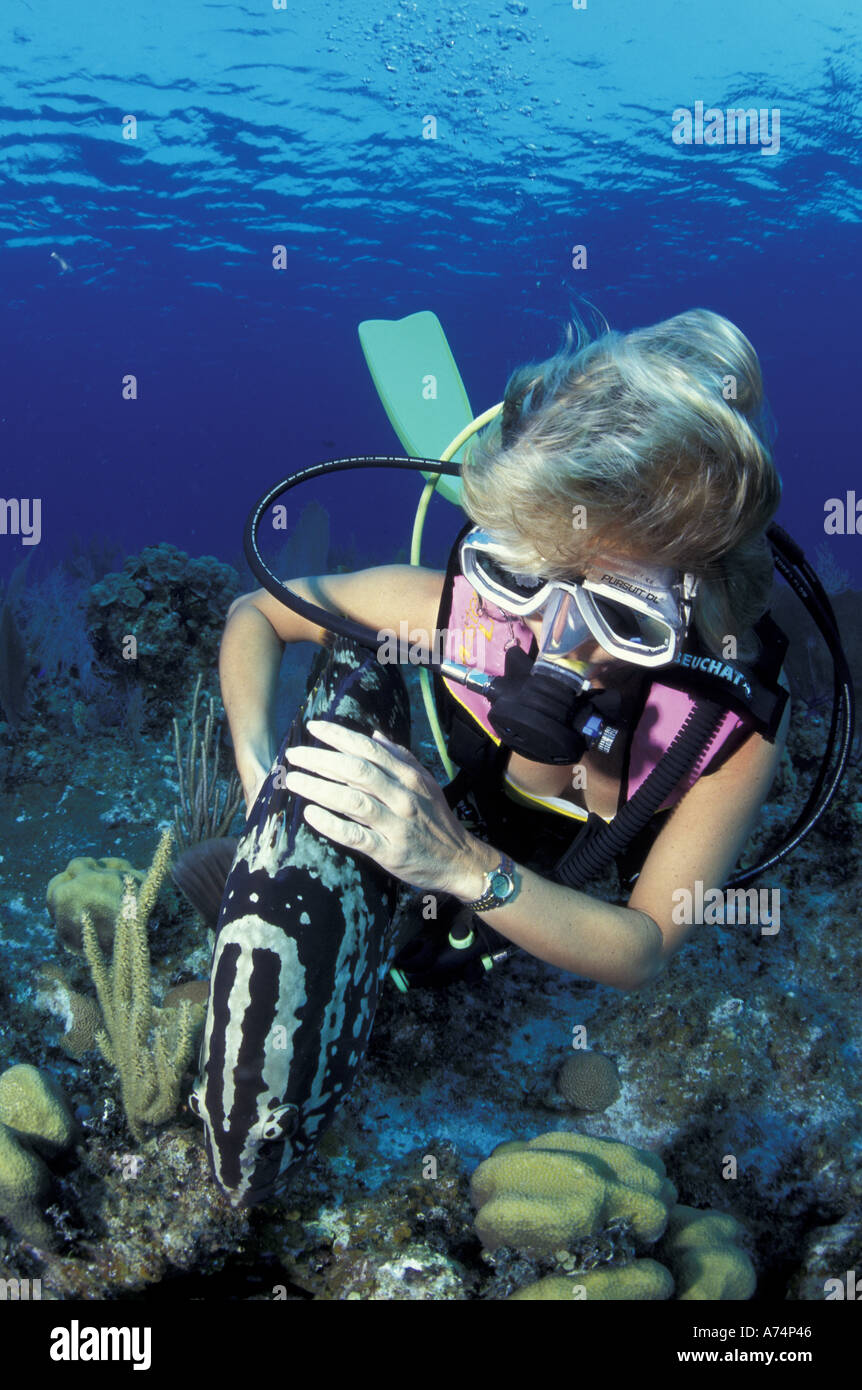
x=153, y=158
x=303, y=127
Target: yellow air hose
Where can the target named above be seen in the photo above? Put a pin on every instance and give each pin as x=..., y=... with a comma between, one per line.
x=415, y=554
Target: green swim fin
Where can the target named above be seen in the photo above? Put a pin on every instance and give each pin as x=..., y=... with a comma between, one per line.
x=408, y=358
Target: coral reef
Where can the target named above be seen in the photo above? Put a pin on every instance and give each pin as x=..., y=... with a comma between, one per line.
x=704, y=1257
x=34, y=1106
x=24, y=1184
x=589, y=1081
x=150, y=1068
x=542, y=1195
x=91, y=886
x=14, y=665
x=34, y=1118
x=175, y=609
x=829, y=1253
x=643, y=1280
x=545, y=1196
x=79, y=1013
x=68, y=694
x=746, y=1046
x=196, y=991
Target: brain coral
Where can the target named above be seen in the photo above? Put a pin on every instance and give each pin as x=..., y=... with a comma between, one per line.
x=589, y=1081
x=33, y=1112
x=79, y=1013
x=542, y=1195
x=707, y=1263
x=88, y=885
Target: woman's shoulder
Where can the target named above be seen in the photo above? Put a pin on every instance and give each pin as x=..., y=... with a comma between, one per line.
x=381, y=598
x=387, y=595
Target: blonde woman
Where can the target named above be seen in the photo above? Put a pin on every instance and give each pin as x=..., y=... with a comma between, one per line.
x=625, y=489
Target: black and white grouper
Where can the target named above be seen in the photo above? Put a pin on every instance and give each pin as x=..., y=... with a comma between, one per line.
x=302, y=948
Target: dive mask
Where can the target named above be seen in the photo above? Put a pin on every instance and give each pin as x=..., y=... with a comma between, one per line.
x=636, y=613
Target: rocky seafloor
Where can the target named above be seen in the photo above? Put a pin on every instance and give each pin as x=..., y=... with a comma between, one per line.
x=747, y=1046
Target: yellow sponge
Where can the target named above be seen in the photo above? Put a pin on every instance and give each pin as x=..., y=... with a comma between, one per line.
x=24, y=1181
x=32, y=1104
x=542, y=1196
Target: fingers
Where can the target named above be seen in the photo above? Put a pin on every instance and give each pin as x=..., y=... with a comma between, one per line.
x=351, y=801
x=379, y=749
x=358, y=756
x=402, y=754
x=345, y=832
x=372, y=787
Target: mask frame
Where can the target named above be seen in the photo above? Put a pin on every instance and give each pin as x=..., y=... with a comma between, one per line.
x=636, y=614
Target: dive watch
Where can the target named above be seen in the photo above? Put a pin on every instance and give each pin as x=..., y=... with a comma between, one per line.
x=500, y=887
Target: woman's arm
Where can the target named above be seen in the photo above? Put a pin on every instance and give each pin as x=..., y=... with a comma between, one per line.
x=704, y=836
x=628, y=946
x=612, y=945
x=258, y=627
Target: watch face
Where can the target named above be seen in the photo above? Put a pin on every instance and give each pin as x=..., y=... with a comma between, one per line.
x=501, y=884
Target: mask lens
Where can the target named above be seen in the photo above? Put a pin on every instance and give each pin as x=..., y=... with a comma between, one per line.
x=563, y=626
x=522, y=586
x=631, y=627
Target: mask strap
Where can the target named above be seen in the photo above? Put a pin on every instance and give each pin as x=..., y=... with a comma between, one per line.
x=689, y=589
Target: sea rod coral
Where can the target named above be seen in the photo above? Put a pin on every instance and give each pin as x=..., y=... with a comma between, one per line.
x=150, y=1047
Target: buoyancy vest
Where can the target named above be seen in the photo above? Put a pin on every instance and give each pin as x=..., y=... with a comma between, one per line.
x=478, y=634
x=535, y=829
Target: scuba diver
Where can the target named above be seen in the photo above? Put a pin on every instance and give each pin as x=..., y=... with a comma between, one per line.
x=610, y=690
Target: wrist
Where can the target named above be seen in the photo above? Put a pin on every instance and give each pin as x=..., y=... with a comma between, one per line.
x=478, y=861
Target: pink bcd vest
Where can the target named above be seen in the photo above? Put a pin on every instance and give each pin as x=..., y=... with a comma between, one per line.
x=478, y=629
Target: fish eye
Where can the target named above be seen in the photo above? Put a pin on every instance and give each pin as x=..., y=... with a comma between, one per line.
x=280, y=1123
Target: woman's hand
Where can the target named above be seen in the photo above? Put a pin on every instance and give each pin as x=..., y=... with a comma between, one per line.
x=389, y=808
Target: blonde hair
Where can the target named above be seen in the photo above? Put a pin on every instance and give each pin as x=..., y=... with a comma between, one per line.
x=661, y=435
